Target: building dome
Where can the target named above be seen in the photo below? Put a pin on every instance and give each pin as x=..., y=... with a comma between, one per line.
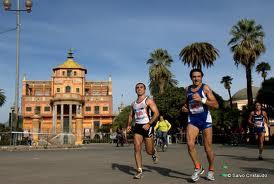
x=242, y=94
x=70, y=63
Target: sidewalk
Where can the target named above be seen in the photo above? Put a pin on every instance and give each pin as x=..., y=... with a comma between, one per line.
x=30, y=148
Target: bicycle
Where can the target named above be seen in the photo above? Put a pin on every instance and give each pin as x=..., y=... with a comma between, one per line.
x=158, y=144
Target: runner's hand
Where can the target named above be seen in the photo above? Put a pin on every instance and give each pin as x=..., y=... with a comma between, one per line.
x=146, y=126
x=184, y=109
x=128, y=128
x=196, y=97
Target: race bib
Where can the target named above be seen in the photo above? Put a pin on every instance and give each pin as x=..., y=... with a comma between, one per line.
x=140, y=113
x=259, y=123
x=196, y=107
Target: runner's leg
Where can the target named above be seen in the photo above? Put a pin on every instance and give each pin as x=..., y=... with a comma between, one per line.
x=261, y=144
x=149, y=145
x=138, y=139
x=192, y=133
x=207, y=135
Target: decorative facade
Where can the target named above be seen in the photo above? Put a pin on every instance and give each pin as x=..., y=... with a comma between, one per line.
x=67, y=105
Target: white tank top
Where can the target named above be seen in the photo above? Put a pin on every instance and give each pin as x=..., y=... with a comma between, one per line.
x=141, y=112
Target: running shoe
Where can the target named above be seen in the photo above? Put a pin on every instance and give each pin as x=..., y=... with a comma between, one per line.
x=210, y=175
x=138, y=174
x=197, y=172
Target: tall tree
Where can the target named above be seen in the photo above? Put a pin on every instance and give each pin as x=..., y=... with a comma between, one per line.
x=265, y=96
x=121, y=119
x=263, y=67
x=159, y=73
x=226, y=80
x=266, y=93
x=170, y=104
x=2, y=97
x=247, y=45
x=199, y=54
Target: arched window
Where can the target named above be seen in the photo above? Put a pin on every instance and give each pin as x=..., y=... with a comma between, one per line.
x=69, y=72
x=67, y=89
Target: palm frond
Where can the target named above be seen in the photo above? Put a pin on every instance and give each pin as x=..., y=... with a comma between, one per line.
x=159, y=74
x=199, y=54
x=2, y=97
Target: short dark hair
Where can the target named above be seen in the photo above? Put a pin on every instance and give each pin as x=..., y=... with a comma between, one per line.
x=140, y=83
x=254, y=105
x=195, y=70
x=257, y=102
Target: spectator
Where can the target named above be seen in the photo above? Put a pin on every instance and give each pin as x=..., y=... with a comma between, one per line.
x=120, y=137
x=163, y=127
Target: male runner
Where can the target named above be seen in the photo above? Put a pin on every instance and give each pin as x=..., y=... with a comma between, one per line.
x=199, y=99
x=258, y=119
x=143, y=129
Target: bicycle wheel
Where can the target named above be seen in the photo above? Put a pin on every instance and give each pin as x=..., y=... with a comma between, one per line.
x=164, y=147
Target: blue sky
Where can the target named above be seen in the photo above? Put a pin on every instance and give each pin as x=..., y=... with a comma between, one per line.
x=116, y=37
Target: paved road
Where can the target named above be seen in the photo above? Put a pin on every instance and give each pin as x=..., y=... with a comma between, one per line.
x=105, y=163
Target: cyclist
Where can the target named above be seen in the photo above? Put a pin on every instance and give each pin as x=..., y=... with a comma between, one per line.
x=162, y=127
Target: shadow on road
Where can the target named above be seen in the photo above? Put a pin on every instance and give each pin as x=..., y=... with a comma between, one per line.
x=124, y=168
x=169, y=172
x=163, y=171
x=246, y=158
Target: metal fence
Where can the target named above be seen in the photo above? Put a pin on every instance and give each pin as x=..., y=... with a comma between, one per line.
x=45, y=139
x=28, y=138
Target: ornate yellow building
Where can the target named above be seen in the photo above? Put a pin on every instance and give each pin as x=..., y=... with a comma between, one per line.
x=67, y=105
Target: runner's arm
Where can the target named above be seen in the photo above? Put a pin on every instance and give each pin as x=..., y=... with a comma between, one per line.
x=130, y=119
x=265, y=118
x=154, y=109
x=250, y=119
x=211, y=100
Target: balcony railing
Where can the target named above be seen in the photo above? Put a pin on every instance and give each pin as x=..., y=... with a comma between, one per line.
x=67, y=96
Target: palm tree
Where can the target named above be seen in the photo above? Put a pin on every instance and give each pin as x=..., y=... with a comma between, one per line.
x=263, y=67
x=199, y=54
x=247, y=45
x=154, y=85
x=2, y=97
x=227, y=84
x=159, y=74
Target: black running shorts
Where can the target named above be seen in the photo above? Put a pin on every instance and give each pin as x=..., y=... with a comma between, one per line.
x=138, y=129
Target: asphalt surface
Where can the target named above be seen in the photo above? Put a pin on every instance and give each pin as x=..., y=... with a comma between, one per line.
x=105, y=163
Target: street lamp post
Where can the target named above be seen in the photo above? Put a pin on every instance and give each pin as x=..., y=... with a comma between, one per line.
x=7, y=6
